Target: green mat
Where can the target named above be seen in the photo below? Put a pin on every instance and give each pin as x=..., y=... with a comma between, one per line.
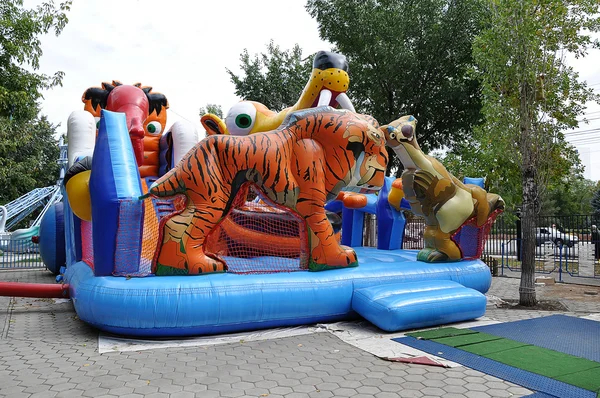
x=490, y=347
x=588, y=379
x=543, y=361
x=466, y=339
x=556, y=365
x=441, y=332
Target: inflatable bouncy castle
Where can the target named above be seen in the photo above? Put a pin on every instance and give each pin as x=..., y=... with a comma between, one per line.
x=167, y=236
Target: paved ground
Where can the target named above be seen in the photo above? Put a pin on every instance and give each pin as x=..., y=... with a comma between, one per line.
x=45, y=351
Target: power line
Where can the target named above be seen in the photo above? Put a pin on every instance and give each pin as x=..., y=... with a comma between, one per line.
x=181, y=116
x=580, y=132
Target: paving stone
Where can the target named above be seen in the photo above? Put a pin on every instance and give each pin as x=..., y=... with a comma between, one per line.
x=476, y=394
x=304, y=388
x=44, y=394
x=429, y=382
x=408, y=393
x=386, y=395
x=145, y=390
x=110, y=384
x=63, y=387
x=70, y=393
x=320, y=394
x=120, y=391
x=366, y=390
x=455, y=389
x=46, y=355
x=195, y=388
x=499, y=393
x=38, y=389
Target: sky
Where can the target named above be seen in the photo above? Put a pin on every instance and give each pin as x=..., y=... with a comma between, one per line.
x=182, y=49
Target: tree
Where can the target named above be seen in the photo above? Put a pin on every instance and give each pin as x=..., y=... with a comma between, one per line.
x=275, y=78
x=28, y=149
x=212, y=108
x=596, y=204
x=531, y=96
x=20, y=46
x=409, y=57
x=28, y=157
x=571, y=196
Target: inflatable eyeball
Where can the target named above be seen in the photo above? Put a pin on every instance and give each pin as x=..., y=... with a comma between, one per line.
x=78, y=192
x=154, y=128
x=241, y=118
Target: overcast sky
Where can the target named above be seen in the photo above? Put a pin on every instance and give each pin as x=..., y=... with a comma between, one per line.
x=182, y=48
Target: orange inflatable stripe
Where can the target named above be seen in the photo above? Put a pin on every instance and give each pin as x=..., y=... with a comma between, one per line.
x=148, y=171
x=151, y=143
x=260, y=240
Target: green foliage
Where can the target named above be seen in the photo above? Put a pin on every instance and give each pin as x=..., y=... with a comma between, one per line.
x=28, y=150
x=20, y=47
x=211, y=108
x=530, y=97
x=275, y=78
x=28, y=157
x=409, y=57
x=570, y=197
x=596, y=203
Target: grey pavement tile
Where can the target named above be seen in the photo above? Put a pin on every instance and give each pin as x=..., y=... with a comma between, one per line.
x=69, y=394
x=386, y=395
x=57, y=355
x=408, y=393
x=476, y=394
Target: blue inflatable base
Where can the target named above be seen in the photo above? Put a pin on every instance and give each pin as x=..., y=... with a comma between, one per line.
x=227, y=302
x=411, y=305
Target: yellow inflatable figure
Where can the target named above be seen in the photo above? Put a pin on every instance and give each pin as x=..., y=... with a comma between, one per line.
x=435, y=194
x=327, y=85
x=396, y=194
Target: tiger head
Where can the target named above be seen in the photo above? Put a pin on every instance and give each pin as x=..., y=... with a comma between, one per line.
x=367, y=143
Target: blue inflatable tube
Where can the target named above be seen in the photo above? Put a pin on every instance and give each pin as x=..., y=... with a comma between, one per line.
x=221, y=303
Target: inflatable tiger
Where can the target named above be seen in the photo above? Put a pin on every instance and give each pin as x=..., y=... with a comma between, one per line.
x=301, y=166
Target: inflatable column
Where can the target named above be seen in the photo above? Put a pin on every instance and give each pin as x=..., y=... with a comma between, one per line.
x=114, y=189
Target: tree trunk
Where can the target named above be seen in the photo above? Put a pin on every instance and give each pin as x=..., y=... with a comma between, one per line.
x=528, y=172
x=529, y=214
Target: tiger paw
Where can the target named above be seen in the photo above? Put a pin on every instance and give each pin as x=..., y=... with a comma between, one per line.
x=332, y=257
x=203, y=264
x=172, y=255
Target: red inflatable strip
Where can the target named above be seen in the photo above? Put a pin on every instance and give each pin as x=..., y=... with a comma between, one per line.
x=38, y=290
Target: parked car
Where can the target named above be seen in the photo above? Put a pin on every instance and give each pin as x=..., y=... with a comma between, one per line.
x=549, y=234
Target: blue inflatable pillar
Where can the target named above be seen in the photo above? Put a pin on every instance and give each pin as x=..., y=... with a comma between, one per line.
x=390, y=222
x=114, y=178
x=72, y=232
x=353, y=222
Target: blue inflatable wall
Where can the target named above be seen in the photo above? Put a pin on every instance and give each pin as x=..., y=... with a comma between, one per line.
x=52, y=238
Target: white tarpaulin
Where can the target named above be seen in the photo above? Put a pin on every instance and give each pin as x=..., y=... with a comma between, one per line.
x=360, y=334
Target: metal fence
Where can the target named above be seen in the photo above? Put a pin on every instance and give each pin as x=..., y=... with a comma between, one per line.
x=19, y=253
x=565, y=245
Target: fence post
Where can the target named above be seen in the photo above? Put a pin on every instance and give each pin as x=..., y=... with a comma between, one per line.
x=502, y=256
x=519, y=233
x=560, y=263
